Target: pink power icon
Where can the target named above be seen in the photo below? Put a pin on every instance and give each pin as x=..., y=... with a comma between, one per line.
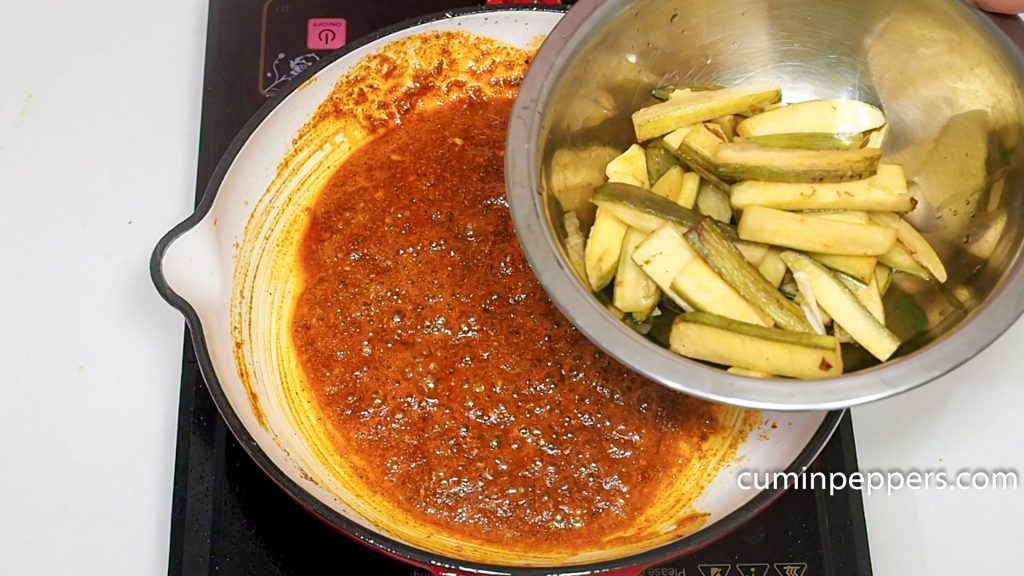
x=325, y=33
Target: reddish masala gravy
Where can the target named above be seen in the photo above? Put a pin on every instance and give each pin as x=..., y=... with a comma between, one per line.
x=446, y=375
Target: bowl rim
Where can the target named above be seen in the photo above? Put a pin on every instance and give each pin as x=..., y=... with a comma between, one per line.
x=1000, y=310
x=346, y=526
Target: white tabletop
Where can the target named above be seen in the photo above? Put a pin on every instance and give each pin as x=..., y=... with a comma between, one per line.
x=99, y=121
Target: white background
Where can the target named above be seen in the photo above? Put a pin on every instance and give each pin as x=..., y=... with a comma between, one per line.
x=99, y=120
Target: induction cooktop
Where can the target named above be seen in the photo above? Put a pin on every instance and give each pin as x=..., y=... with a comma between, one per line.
x=228, y=518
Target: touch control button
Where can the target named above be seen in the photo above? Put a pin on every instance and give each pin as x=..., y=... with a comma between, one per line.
x=326, y=33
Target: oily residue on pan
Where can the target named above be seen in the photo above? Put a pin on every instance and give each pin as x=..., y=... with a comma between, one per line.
x=453, y=406
x=417, y=72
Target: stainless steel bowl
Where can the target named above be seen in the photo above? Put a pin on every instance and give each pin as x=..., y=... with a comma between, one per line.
x=948, y=76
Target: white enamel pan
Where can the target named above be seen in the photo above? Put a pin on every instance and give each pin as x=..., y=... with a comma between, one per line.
x=226, y=268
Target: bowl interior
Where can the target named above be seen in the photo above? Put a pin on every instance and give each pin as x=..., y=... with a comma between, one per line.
x=945, y=74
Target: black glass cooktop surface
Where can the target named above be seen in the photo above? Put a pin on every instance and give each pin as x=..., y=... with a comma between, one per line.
x=228, y=518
